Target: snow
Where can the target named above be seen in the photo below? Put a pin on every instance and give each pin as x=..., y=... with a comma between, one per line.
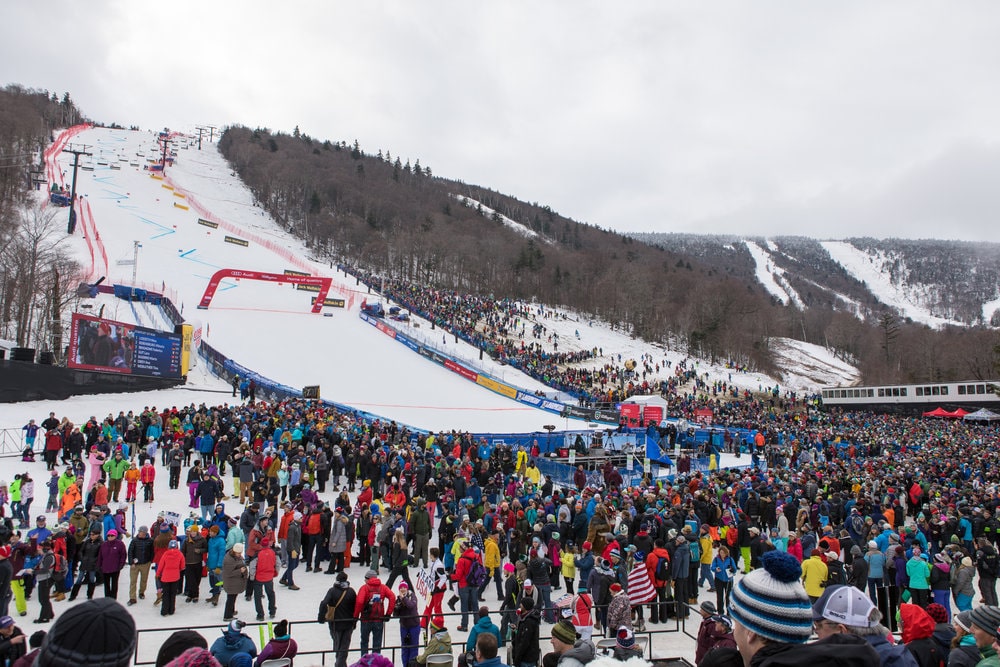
x=989, y=309
x=269, y=328
x=490, y=213
x=771, y=277
x=809, y=366
x=868, y=269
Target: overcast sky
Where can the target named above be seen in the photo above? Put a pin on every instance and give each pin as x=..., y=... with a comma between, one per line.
x=765, y=118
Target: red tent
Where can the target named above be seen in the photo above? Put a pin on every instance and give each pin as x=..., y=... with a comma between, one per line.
x=958, y=413
x=938, y=412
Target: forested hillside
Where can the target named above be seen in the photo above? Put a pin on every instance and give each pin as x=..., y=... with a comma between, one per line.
x=387, y=214
x=35, y=273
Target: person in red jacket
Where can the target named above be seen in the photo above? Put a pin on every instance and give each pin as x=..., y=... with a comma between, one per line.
x=169, y=570
x=658, y=611
x=371, y=610
x=468, y=594
x=263, y=579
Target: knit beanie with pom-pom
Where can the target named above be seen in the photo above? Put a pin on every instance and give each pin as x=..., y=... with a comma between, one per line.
x=771, y=601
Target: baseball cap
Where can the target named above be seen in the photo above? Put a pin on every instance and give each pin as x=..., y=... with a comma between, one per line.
x=844, y=604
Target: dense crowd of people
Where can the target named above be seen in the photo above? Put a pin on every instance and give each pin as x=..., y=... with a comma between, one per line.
x=516, y=333
x=898, y=511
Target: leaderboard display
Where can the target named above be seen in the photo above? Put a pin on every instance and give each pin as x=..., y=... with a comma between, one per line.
x=115, y=347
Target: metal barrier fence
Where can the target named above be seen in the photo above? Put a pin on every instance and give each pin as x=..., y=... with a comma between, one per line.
x=12, y=442
x=256, y=629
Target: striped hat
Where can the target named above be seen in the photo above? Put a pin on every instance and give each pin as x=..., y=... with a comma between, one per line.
x=771, y=601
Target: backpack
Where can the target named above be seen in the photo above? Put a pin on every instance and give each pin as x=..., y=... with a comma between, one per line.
x=662, y=571
x=835, y=573
x=477, y=575
x=991, y=564
x=695, y=551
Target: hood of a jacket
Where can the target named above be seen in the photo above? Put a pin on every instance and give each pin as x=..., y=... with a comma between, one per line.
x=917, y=624
x=484, y=623
x=582, y=650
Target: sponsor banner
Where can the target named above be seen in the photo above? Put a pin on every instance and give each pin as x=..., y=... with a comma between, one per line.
x=496, y=387
x=608, y=416
x=290, y=272
x=703, y=415
x=115, y=347
x=530, y=399
x=424, y=352
x=555, y=406
x=405, y=340
x=312, y=391
x=332, y=303
x=652, y=413
x=631, y=413
x=577, y=412
x=307, y=288
x=387, y=330
x=234, y=240
x=461, y=370
x=208, y=223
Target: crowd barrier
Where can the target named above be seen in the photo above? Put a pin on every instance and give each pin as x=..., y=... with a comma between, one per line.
x=488, y=382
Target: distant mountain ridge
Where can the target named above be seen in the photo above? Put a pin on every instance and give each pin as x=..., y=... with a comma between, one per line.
x=934, y=282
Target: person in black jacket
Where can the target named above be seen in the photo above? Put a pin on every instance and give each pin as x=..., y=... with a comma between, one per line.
x=341, y=597
x=88, y=564
x=13, y=643
x=140, y=557
x=525, y=650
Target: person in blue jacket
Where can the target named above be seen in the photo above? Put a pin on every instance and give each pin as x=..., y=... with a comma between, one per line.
x=216, y=552
x=232, y=641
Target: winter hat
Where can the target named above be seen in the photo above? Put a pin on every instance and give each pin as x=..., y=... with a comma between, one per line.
x=565, y=632
x=281, y=629
x=937, y=612
x=265, y=542
x=508, y=567
x=771, y=601
x=964, y=620
x=615, y=587
x=527, y=583
x=625, y=639
x=371, y=574
x=96, y=632
x=178, y=643
x=437, y=622
x=6, y=621
x=235, y=626
x=238, y=548
x=202, y=657
x=341, y=576
x=987, y=618
x=404, y=585
x=873, y=544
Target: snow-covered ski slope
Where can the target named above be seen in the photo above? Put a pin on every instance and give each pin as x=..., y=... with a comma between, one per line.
x=182, y=221
x=263, y=326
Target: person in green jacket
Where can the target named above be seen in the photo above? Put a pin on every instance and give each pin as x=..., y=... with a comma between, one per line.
x=439, y=641
x=984, y=624
x=116, y=467
x=918, y=569
x=65, y=480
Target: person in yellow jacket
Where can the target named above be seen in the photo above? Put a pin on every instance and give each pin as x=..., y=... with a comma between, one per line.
x=533, y=474
x=569, y=566
x=522, y=461
x=814, y=575
x=492, y=563
x=705, y=574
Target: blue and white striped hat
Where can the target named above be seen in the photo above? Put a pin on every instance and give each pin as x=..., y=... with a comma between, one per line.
x=771, y=601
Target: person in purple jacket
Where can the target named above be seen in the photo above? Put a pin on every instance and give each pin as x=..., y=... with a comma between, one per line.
x=111, y=558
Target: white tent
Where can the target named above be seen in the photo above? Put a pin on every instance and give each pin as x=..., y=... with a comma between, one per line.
x=981, y=415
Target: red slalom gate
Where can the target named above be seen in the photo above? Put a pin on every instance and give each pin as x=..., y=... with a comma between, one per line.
x=317, y=281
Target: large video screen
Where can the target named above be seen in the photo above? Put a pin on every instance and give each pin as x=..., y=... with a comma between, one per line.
x=115, y=347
